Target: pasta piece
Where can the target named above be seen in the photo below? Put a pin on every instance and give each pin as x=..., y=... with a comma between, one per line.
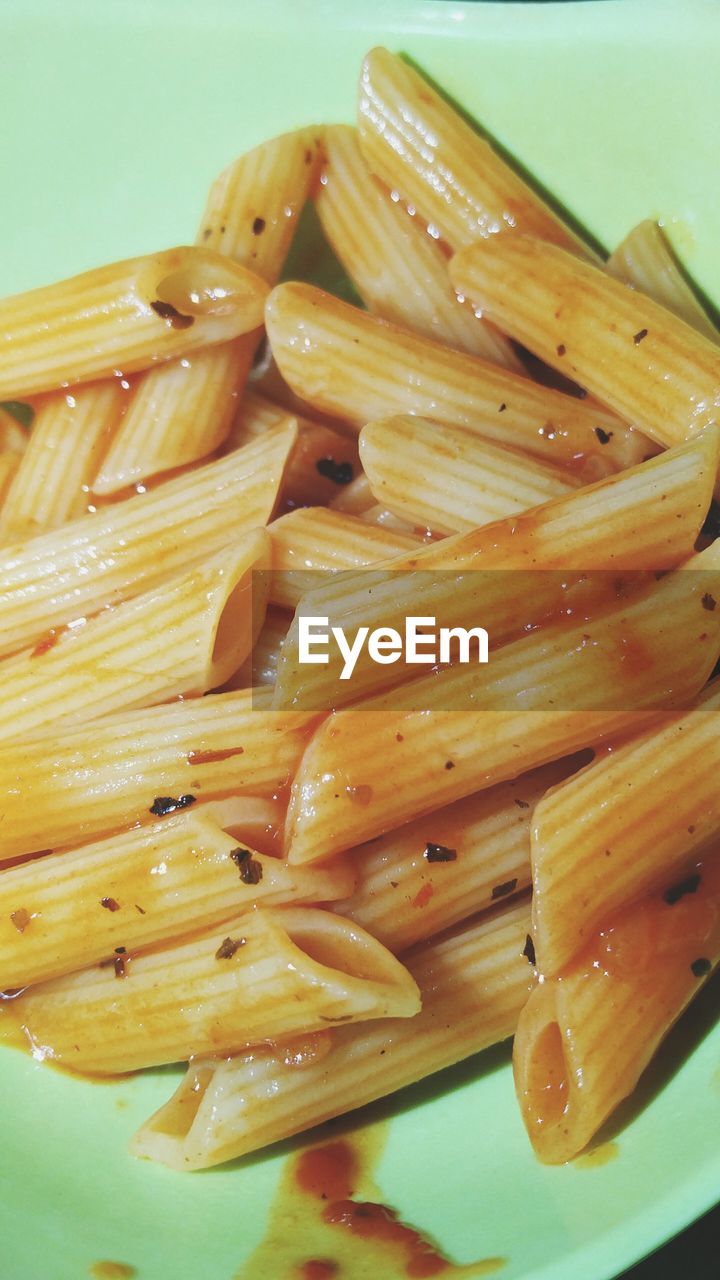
x=347, y=363
x=355, y=499
x=125, y=316
x=397, y=268
x=473, y=986
x=450, y=480
x=70, y=434
x=270, y=972
x=260, y=668
x=137, y=545
x=183, y=638
x=86, y=782
x=183, y=411
x=313, y=539
x=367, y=770
x=442, y=868
x=648, y=517
x=144, y=886
x=585, y=1037
x=642, y=361
x=322, y=463
x=623, y=827
x=645, y=260
x=413, y=139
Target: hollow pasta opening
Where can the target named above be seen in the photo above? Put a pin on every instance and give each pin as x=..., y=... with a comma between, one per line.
x=546, y=1081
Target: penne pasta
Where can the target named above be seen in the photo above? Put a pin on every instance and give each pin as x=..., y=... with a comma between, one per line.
x=270, y=972
x=399, y=271
x=354, y=500
x=89, y=781
x=473, y=987
x=183, y=638
x=623, y=827
x=645, y=363
x=125, y=316
x=585, y=1037
x=646, y=261
x=444, y=867
x=347, y=363
x=414, y=140
x=648, y=517
x=450, y=480
x=306, y=541
x=260, y=667
x=135, y=546
x=367, y=770
x=181, y=873
x=184, y=411
x=71, y=433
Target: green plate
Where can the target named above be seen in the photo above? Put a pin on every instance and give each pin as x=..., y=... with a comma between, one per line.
x=115, y=118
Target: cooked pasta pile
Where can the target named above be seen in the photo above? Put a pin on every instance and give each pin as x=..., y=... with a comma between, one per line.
x=317, y=892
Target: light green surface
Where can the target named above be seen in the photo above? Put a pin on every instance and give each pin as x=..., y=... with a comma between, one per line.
x=115, y=116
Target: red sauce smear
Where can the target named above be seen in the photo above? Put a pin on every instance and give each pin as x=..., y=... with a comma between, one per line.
x=423, y=896
x=48, y=641
x=328, y=1172
x=318, y=1269
x=378, y=1222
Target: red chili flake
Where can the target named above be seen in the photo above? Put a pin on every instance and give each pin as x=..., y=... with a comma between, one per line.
x=708, y=602
x=449, y=764
x=250, y=869
x=423, y=896
x=338, y=472
x=213, y=757
x=690, y=884
x=561, y=349
x=228, y=947
x=439, y=853
x=163, y=805
x=603, y=436
x=701, y=967
x=110, y=904
x=168, y=312
x=258, y=226
x=638, y=337
x=319, y=1269
x=21, y=919
x=529, y=950
x=502, y=890
x=399, y=737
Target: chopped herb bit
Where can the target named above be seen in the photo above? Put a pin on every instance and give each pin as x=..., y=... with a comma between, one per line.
x=603, y=436
x=439, y=853
x=502, y=890
x=529, y=950
x=701, y=966
x=502, y=408
x=561, y=349
x=638, y=337
x=163, y=805
x=140, y=909
x=522, y=804
x=708, y=602
x=110, y=904
x=338, y=472
x=677, y=891
x=168, y=312
x=258, y=226
x=227, y=949
x=21, y=919
x=207, y=233
x=250, y=869
x=449, y=764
